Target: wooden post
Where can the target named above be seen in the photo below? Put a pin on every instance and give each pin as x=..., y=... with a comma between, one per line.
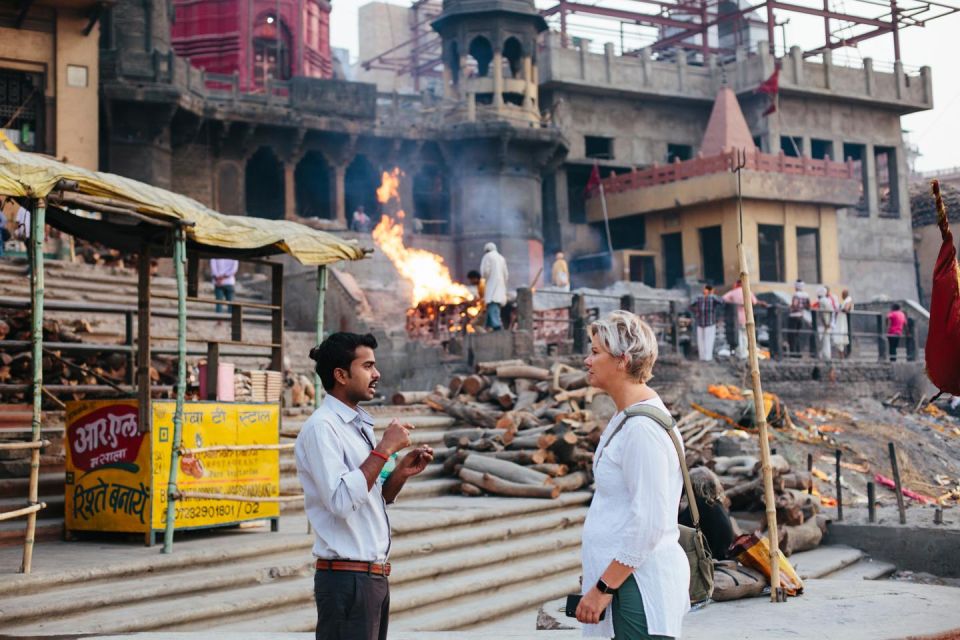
x=775, y=322
x=810, y=470
x=578, y=311
x=236, y=322
x=837, y=454
x=276, y=317
x=35, y=244
x=896, y=480
x=179, y=260
x=871, y=502
x=128, y=341
x=321, y=297
x=881, y=338
x=525, y=309
x=143, y=339
x=193, y=275
x=213, y=370
x=776, y=593
x=674, y=327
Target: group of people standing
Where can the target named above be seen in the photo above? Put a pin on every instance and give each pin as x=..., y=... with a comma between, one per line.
x=832, y=321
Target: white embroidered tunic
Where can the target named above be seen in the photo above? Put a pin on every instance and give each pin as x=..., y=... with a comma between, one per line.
x=633, y=519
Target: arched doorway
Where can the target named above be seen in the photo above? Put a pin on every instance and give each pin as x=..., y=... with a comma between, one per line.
x=360, y=188
x=312, y=183
x=431, y=200
x=264, y=185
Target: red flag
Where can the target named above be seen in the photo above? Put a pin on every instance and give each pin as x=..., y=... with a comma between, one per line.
x=943, y=337
x=771, y=85
x=593, y=183
x=771, y=109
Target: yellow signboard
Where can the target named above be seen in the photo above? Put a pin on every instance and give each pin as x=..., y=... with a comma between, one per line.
x=117, y=477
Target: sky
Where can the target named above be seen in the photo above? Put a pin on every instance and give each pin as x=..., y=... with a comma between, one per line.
x=936, y=132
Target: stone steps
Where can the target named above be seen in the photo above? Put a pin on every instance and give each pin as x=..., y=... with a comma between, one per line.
x=824, y=560
x=442, y=553
x=864, y=569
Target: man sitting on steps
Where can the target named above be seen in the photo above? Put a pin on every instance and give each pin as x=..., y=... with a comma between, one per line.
x=346, y=491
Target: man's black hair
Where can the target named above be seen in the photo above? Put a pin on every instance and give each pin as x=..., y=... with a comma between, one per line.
x=337, y=352
x=895, y=307
x=708, y=287
x=473, y=274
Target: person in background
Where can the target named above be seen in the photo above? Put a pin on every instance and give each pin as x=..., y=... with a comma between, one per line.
x=560, y=274
x=224, y=274
x=841, y=330
x=360, y=221
x=827, y=308
x=493, y=270
x=714, y=516
x=735, y=297
x=706, y=307
x=798, y=322
x=633, y=565
x=896, y=323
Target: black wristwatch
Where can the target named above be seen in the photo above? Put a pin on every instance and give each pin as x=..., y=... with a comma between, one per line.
x=603, y=587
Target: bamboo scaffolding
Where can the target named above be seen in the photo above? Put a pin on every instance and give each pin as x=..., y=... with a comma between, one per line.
x=321, y=296
x=238, y=447
x=15, y=446
x=179, y=258
x=776, y=593
x=199, y=495
x=31, y=511
x=37, y=224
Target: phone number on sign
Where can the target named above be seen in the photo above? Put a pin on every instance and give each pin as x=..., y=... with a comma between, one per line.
x=214, y=511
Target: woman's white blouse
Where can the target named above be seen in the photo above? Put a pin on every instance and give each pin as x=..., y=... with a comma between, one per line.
x=633, y=519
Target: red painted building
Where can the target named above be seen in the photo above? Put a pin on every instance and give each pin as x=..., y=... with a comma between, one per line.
x=256, y=39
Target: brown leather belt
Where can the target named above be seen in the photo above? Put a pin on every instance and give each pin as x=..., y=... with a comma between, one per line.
x=353, y=565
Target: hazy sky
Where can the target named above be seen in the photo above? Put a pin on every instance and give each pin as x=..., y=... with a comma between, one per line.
x=935, y=132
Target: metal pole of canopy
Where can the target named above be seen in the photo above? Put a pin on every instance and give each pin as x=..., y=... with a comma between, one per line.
x=179, y=261
x=321, y=297
x=35, y=243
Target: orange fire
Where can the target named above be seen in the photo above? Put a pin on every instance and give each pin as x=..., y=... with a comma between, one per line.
x=426, y=271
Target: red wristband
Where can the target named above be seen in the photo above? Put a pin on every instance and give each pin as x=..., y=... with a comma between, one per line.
x=379, y=455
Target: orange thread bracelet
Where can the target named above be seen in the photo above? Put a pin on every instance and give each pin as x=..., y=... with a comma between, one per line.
x=380, y=455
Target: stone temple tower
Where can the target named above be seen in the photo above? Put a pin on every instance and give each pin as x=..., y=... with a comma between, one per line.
x=492, y=138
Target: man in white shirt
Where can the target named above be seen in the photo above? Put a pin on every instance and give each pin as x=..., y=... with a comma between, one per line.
x=224, y=274
x=493, y=270
x=346, y=490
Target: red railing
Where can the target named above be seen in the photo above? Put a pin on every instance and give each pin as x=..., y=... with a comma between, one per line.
x=701, y=166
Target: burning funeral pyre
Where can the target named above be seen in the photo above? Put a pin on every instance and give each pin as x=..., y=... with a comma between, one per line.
x=439, y=307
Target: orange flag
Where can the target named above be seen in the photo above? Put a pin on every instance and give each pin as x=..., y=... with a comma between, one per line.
x=943, y=338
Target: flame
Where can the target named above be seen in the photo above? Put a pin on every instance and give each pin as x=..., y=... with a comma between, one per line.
x=426, y=271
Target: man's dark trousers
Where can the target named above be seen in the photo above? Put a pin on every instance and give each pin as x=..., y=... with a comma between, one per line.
x=351, y=605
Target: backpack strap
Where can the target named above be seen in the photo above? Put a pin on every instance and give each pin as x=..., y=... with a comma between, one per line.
x=666, y=421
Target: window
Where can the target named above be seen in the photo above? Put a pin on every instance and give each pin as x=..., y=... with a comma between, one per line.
x=791, y=146
x=711, y=254
x=643, y=269
x=22, y=108
x=77, y=76
x=770, y=238
x=821, y=149
x=888, y=198
x=679, y=152
x=808, y=254
x=627, y=233
x=577, y=177
x=671, y=245
x=598, y=147
x=856, y=152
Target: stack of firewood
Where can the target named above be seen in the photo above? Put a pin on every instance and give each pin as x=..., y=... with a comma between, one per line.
x=800, y=524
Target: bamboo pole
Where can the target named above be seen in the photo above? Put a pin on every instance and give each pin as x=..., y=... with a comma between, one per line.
x=238, y=447
x=179, y=258
x=199, y=495
x=35, y=243
x=776, y=594
x=26, y=511
x=33, y=444
x=321, y=298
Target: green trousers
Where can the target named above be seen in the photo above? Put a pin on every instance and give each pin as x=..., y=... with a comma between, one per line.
x=629, y=618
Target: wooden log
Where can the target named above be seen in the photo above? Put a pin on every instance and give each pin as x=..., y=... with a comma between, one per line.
x=723, y=465
x=585, y=393
x=573, y=481
x=490, y=368
x=453, y=461
x=526, y=442
x=573, y=380
x=502, y=395
x=462, y=437
x=801, y=538
x=474, y=384
x=523, y=456
x=501, y=487
x=485, y=444
x=525, y=399
x=440, y=390
x=456, y=382
x=468, y=489
x=523, y=371
x=410, y=397
x=552, y=469
x=462, y=411
x=802, y=480
x=506, y=470
x=523, y=384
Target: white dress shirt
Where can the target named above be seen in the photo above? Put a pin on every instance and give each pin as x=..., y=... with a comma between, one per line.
x=633, y=519
x=349, y=521
x=493, y=269
x=225, y=268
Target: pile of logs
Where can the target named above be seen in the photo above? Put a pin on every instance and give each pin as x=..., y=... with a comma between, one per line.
x=800, y=525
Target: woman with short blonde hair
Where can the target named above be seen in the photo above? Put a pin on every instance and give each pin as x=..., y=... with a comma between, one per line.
x=633, y=566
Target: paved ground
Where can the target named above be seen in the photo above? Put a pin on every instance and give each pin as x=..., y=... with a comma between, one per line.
x=833, y=609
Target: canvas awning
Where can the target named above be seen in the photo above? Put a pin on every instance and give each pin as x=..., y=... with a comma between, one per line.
x=37, y=176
